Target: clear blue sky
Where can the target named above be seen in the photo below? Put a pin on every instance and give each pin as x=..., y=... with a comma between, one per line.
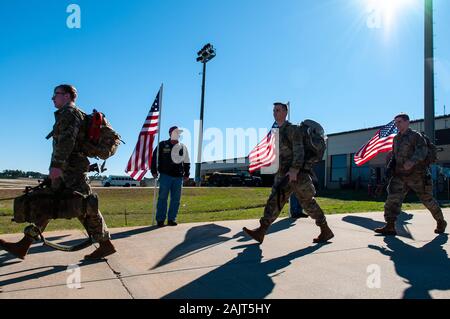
x=318, y=54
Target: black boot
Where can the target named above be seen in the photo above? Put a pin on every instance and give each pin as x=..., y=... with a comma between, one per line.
x=440, y=228
x=106, y=248
x=325, y=234
x=387, y=230
x=19, y=249
x=257, y=233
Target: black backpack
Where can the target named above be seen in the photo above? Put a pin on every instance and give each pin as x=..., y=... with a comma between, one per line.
x=313, y=141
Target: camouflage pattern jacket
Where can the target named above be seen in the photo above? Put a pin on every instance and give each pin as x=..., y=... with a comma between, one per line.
x=291, y=150
x=68, y=122
x=410, y=146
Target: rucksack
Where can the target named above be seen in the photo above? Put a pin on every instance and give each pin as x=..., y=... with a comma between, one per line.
x=97, y=137
x=432, y=151
x=313, y=141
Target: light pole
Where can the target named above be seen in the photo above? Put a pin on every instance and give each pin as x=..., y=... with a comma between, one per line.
x=206, y=54
x=429, y=72
x=429, y=121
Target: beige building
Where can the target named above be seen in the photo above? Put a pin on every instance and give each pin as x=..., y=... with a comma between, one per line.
x=341, y=170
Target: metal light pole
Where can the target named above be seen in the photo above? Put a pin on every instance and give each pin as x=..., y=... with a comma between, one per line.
x=429, y=72
x=206, y=54
x=429, y=106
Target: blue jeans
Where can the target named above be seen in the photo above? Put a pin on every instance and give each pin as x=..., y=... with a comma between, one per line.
x=294, y=205
x=173, y=185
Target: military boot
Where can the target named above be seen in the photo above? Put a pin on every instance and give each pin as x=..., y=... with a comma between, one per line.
x=441, y=225
x=325, y=234
x=106, y=248
x=19, y=249
x=387, y=230
x=257, y=233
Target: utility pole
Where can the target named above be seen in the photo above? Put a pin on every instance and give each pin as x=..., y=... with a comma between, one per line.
x=206, y=54
x=429, y=121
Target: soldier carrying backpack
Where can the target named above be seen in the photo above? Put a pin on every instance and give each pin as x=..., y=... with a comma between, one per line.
x=412, y=155
x=76, y=136
x=299, y=148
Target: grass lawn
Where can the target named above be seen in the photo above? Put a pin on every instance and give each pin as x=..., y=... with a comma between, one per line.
x=197, y=205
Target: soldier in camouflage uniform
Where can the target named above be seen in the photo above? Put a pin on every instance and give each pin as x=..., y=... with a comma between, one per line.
x=292, y=163
x=409, y=171
x=68, y=169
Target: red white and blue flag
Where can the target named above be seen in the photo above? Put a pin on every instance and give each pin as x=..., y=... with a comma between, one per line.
x=141, y=160
x=263, y=154
x=381, y=142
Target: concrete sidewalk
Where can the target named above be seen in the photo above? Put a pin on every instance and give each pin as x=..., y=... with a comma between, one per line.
x=216, y=260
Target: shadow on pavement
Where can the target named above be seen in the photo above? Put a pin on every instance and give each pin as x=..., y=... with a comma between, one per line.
x=39, y=248
x=371, y=224
x=133, y=232
x=245, y=276
x=279, y=225
x=196, y=238
x=425, y=268
x=206, y=236
x=49, y=270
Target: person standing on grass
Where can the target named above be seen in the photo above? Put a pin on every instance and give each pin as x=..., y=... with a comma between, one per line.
x=295, y=209
x=173, y=167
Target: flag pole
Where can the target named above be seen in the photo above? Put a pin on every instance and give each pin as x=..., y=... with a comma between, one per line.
x=157, y=154
x=289, y=111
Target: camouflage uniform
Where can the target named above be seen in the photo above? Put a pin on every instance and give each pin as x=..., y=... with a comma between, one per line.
x=410, y=146
x=292, y=155
x=75, y=165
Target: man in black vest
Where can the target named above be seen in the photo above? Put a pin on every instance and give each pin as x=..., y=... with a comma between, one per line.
x=173, y=167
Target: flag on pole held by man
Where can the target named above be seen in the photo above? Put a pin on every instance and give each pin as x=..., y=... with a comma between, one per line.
x=381, y=142
x=141, y=160
x=263, y=154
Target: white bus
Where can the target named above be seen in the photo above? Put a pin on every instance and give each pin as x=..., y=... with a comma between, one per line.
x=125, y=181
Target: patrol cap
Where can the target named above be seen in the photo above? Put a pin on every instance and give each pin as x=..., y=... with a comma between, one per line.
x=173, y=128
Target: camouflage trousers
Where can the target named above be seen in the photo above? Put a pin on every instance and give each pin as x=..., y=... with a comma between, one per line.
x=421, y=184
x=92, y=221
x=303, y=189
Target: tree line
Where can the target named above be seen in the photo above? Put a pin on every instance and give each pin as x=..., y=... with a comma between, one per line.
x=14, y=174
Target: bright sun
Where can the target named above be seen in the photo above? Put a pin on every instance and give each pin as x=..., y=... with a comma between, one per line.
x=389, y=8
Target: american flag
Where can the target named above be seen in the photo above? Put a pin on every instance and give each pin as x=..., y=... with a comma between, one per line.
x=382, y=142
x=264, y=153
x=141, y=160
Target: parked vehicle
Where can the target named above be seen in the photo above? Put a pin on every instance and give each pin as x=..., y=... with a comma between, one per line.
x=125, y=181
x=234, y=179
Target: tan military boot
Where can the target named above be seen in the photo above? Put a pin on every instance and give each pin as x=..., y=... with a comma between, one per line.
x=19, y=249
x=106, y=248
x=257, y=233
x=441, y=225
x=325, y=234
x=387, y=230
